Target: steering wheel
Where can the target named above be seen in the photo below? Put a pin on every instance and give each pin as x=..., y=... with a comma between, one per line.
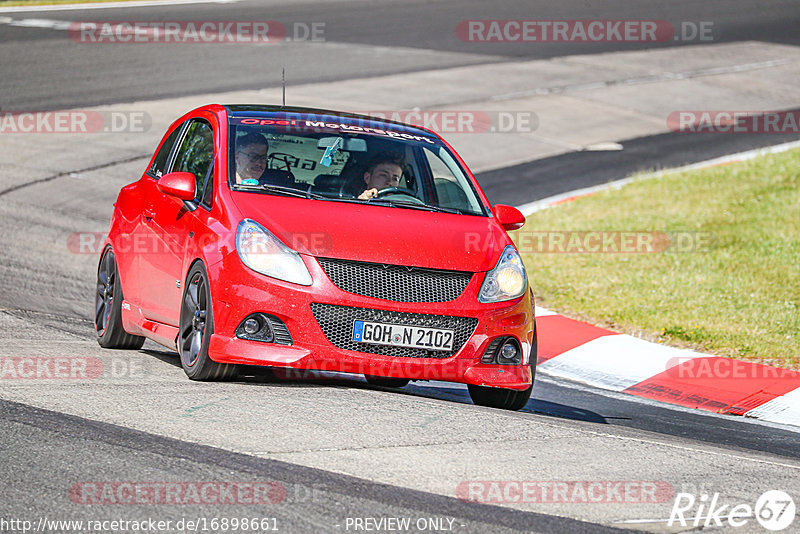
x=398, y=191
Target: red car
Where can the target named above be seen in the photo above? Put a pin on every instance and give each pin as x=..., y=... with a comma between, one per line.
x=311, y=239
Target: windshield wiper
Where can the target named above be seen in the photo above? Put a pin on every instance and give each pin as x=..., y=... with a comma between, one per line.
x=290, y=191
x=413, y=205
x=442, y=209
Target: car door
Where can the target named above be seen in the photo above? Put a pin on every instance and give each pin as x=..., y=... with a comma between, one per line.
x=134, y=243
x=168, y=222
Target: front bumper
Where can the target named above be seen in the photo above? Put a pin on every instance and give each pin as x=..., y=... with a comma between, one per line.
x=237, y=292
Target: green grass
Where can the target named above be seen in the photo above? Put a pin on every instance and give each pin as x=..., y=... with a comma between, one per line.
x=737, y=296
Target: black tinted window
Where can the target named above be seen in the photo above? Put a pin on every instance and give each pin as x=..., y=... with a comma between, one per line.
x=160, y=163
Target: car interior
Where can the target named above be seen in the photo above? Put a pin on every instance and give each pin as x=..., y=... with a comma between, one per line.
x=349, y=183
x=334, y=166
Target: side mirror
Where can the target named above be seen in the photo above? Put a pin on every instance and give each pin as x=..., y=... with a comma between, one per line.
x=180, y=185
x=509, y=217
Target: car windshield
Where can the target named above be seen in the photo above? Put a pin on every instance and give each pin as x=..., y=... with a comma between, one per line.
x=331, y=161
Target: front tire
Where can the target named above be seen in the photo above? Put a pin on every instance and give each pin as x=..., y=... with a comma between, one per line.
x=108, y=307
x=505, y=399
x=196, y=328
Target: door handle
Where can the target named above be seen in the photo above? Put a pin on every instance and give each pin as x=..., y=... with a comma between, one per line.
x=149, y=214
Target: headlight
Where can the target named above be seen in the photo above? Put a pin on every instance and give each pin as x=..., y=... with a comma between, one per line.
x=266, y=254
x=506, y=281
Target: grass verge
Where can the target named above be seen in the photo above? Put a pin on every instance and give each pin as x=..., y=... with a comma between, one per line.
x=723, y=273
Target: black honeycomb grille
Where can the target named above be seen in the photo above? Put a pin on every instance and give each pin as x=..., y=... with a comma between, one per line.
x=337, y=325
x=395, y=282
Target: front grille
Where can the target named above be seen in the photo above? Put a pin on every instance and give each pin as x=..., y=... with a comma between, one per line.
x=337, y=325
x=395, y=282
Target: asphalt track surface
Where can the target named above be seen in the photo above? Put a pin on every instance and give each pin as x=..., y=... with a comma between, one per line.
x=576, y=170
x=50, y=75
x=309, y=500
x=49, y=448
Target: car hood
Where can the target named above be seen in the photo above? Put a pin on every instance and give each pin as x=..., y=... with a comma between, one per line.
x=378, y=234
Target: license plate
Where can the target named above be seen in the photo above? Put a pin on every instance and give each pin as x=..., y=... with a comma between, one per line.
x=417, y=337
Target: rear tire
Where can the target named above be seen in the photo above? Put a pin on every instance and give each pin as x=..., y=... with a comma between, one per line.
x=503, y=398
x=387, y=382
x=108, y=307
x=196, y=328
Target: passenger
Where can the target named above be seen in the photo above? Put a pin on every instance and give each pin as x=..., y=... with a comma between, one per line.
x=384, y=170
x=251, y=158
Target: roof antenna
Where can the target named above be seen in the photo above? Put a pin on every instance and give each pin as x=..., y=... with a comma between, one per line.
x=283, y=80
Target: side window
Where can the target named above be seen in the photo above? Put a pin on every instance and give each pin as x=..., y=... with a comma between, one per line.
x=196, y=155
x=160, y=163
x=452, y=189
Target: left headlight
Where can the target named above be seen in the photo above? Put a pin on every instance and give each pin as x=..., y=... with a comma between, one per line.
x=266, y=254
x=507, y=280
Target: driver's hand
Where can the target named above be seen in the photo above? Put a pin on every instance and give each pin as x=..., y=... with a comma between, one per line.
x=368, y=194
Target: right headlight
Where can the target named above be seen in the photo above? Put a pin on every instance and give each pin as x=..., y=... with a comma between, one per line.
x=266, y=254
x=507, y=280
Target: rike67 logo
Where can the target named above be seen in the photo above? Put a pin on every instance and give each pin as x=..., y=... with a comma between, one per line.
x=774, y=510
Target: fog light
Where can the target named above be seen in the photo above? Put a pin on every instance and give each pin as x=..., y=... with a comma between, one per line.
x=509, y=353
x=251, y=326
x=262, y=327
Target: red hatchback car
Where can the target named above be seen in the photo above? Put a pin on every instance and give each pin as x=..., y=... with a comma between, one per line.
x=311, y=239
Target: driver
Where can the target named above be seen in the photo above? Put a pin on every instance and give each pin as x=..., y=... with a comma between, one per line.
x=384, y=170
x=251, y=158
